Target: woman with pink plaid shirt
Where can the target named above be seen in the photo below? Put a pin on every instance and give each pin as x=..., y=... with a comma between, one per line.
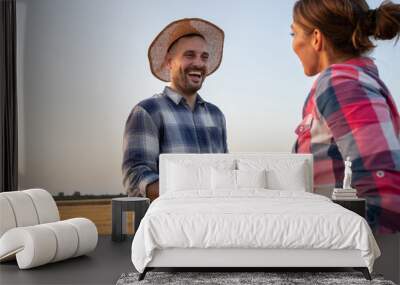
x=349, y=111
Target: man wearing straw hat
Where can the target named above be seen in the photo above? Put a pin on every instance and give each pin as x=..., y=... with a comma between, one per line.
x=177, y=120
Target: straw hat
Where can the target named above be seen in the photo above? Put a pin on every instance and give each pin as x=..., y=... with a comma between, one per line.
x=213, y=35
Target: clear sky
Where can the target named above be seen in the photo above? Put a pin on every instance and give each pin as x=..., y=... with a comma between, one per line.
x=260, y=85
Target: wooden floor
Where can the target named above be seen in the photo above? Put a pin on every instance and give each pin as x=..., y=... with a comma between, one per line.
x=98, y=211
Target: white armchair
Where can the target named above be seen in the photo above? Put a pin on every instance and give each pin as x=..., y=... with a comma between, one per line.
x=31, y=230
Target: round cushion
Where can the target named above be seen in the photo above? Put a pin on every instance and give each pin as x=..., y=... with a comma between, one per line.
x=45, y=205
x=7, y=216
x=23, y=208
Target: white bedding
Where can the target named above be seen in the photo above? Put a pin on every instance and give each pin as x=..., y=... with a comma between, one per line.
x=250, y=218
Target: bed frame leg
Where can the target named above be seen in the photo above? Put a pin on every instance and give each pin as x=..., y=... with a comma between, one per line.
x=364, y=271
x=143, y=274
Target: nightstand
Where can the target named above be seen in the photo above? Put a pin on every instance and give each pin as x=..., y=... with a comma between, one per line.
x=357, y=205
x=138, y=205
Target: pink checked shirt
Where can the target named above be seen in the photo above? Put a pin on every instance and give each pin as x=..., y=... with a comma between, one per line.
x=350, y=113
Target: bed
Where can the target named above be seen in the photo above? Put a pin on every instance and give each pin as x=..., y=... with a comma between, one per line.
x=245, y=211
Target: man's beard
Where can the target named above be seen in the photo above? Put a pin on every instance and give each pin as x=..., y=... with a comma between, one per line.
x=183, y=82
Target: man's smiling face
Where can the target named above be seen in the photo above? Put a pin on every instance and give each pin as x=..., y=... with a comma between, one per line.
x=187, y=61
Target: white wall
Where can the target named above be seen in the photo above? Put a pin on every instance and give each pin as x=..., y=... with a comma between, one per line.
x=82, y=66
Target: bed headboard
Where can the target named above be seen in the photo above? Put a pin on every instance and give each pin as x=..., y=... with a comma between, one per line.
x=234, y=158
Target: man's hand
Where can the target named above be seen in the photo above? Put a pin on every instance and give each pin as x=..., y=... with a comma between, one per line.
x=152, y=191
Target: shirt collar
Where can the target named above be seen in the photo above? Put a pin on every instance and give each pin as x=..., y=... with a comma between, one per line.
x=176, y=98
x=365, y=63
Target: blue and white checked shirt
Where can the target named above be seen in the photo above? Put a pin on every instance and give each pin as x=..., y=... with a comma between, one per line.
x=165, y=123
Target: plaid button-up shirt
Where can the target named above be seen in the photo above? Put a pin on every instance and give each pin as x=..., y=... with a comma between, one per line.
x=165, y=123
x=350, y=113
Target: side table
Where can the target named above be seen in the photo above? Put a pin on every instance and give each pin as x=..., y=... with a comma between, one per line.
x=357, y=205
x=138, y=205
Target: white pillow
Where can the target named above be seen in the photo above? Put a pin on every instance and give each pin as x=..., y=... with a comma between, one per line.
x=193, y=173
x=282, y=174
x=251, y=178
x=227, y=179
x=223, y=179
x=182, y=177
x=294, y=181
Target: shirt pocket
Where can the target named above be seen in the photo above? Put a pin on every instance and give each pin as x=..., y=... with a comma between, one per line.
x=303, y=130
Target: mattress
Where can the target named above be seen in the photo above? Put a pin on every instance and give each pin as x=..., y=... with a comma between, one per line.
x=250, y=219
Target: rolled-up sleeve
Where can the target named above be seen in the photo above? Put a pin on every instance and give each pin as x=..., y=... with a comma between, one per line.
x=140, y=152
x=362, y=127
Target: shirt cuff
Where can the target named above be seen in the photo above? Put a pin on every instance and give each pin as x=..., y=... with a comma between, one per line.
x=148, y=179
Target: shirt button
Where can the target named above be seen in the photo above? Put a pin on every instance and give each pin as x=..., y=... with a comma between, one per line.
x=380, y=173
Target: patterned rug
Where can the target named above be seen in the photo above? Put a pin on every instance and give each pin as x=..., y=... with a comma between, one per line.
x=270, y=278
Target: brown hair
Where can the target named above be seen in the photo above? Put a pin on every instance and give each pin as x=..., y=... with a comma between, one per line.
x=349, y=24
